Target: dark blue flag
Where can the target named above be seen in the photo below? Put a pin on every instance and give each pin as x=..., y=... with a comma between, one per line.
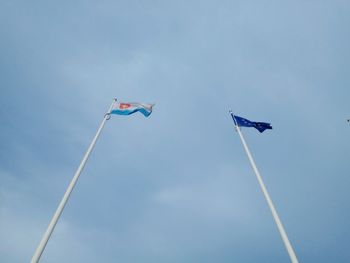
x=260, y=126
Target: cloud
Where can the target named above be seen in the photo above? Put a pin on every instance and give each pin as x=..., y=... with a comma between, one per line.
x=174, y=187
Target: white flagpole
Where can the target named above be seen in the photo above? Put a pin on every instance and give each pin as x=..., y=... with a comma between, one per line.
x=56, y=216
x=292, y=255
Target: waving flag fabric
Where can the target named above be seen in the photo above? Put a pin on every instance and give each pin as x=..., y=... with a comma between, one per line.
x=242, y=122
x=132, y=107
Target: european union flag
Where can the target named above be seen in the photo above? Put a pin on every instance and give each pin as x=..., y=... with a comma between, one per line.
x=242, y=122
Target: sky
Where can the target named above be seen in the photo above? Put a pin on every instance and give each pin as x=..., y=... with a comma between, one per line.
x=177, y=186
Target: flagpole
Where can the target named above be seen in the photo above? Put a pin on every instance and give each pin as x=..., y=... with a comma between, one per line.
x=56, y=216
x=292, y=255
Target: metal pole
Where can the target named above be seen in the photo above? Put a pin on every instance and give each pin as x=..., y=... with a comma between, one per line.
x=293, y=257
x=56, y=216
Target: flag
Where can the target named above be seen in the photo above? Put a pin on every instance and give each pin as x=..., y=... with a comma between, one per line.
x=132, y=107
x=242, y=122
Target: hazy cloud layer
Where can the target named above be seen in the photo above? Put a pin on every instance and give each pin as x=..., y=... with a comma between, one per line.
x=176, y=187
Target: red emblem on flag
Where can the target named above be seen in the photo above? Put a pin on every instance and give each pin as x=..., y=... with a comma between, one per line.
x=124, y=106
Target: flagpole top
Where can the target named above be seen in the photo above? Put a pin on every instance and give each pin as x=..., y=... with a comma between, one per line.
x=108, y=114
x=234, y=120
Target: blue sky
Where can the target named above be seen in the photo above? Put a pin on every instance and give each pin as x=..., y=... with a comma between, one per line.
x=177, y=186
